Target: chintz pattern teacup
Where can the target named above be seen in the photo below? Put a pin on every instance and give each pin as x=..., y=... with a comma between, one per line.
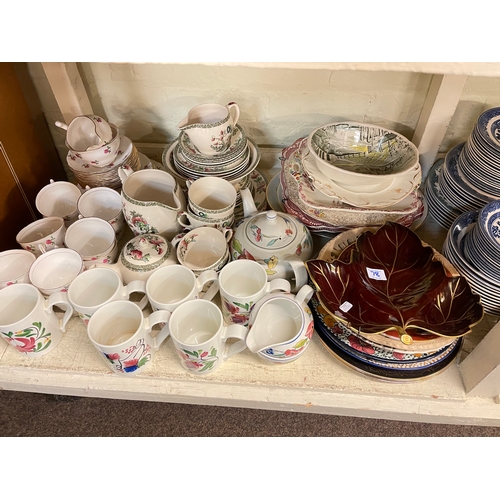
x=199, y=335
x=42, y=235
x=211, y=197
x=202, y=249
x=59, y=199
x=96, y=287
x=15, y=266
x=122, y=335
x=104, y=203
x=94, y=239
x=54, y=271
x=27, y=320
x=241, y=284
x=189, y=220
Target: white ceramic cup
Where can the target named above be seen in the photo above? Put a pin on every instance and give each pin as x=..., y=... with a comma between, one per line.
x=211, y=197
x=94, y=239
x=54, y=271
x=104, y=203
x=189, y=220
x=122, y=335
x=59, y=199
x=15, y=266
x=42, y=235
x=199, y=335
x=202, y=249
x=241, y=284
x=27, y=320
x=210, y=126
x=169, y=287
x=94, y=288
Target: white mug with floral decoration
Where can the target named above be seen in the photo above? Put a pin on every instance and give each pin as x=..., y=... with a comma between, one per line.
x=96, y=287
x=122, y=335
x=42, y=235
x=27, y=320
x=199, y=335
x=210, y=127
x=169, y=287
x=242, y=283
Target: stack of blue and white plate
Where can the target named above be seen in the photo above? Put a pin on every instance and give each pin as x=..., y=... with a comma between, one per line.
x=472, y=245
x=469, y=176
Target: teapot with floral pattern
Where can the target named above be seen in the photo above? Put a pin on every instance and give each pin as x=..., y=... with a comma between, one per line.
x=278, y=241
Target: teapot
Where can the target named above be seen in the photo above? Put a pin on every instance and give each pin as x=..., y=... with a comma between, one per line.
x=151, y=200
x=141, y=256
x=281, y=326
x=278, y=241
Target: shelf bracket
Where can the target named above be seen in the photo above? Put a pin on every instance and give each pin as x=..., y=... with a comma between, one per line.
x=438, y=110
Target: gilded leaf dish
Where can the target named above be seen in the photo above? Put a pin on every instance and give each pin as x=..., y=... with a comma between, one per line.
x=389, y=281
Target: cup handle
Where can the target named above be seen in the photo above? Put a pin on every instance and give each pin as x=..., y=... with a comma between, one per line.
x=279, y=284
x=299, y=270
x=180, y=217
x=175, y=240
x=234, y=332
x=123, y=173
x=137, y=286
x=304, y=295
x=234, y=111
x=60, y=299
x=228, y=233
x=212, y=291
x=160, y=316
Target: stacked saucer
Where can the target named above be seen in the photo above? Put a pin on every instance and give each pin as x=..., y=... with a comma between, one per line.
x=237, y=165
x=310, y=202
x=87, y=174
x=472, y=245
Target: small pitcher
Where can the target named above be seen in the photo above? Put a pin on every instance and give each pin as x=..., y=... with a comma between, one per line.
x=281, y=326
x=210, y=127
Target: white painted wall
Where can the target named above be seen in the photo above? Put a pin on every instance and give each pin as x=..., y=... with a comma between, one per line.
x=278, y=105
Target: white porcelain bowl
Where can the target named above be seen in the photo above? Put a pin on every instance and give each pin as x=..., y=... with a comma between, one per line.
x=360, y=153
x=103, y=155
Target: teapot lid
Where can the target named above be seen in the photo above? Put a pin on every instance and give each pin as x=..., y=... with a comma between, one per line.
x=271, y=230
x=145, y=252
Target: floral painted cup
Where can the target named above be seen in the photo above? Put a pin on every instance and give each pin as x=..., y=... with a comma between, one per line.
x=242, y=283
x=15, y=266
x=199, y=335
x=42, y=235
x=27, y=320
x=122, y=336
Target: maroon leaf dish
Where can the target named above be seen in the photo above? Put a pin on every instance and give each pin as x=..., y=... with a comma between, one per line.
x=393, y=282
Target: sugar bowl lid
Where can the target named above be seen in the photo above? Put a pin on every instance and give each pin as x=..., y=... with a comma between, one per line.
x=145, y=252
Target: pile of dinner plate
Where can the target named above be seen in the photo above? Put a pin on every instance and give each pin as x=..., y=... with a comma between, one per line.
x=308, y=194
x=472, y=245
x=237, y=165
x=469, y=176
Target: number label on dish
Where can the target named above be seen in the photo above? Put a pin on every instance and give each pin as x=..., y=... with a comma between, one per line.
x=376, y=274
x=345, y=306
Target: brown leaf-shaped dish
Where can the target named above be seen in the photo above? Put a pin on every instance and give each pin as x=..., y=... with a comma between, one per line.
x=391, y=281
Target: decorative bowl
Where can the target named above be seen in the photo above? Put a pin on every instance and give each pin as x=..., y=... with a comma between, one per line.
x=357, y=153
x=391, y=281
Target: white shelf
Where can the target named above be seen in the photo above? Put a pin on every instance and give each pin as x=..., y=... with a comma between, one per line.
x=315, y=383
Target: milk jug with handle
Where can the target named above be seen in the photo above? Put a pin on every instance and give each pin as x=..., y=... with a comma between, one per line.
x=210, y=127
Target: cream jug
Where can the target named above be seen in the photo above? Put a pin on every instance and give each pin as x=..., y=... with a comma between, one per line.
x=151, y=201
x=210, y=127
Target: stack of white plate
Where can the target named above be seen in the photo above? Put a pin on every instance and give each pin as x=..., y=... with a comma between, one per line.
x=472, y=245
x=306, y=199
